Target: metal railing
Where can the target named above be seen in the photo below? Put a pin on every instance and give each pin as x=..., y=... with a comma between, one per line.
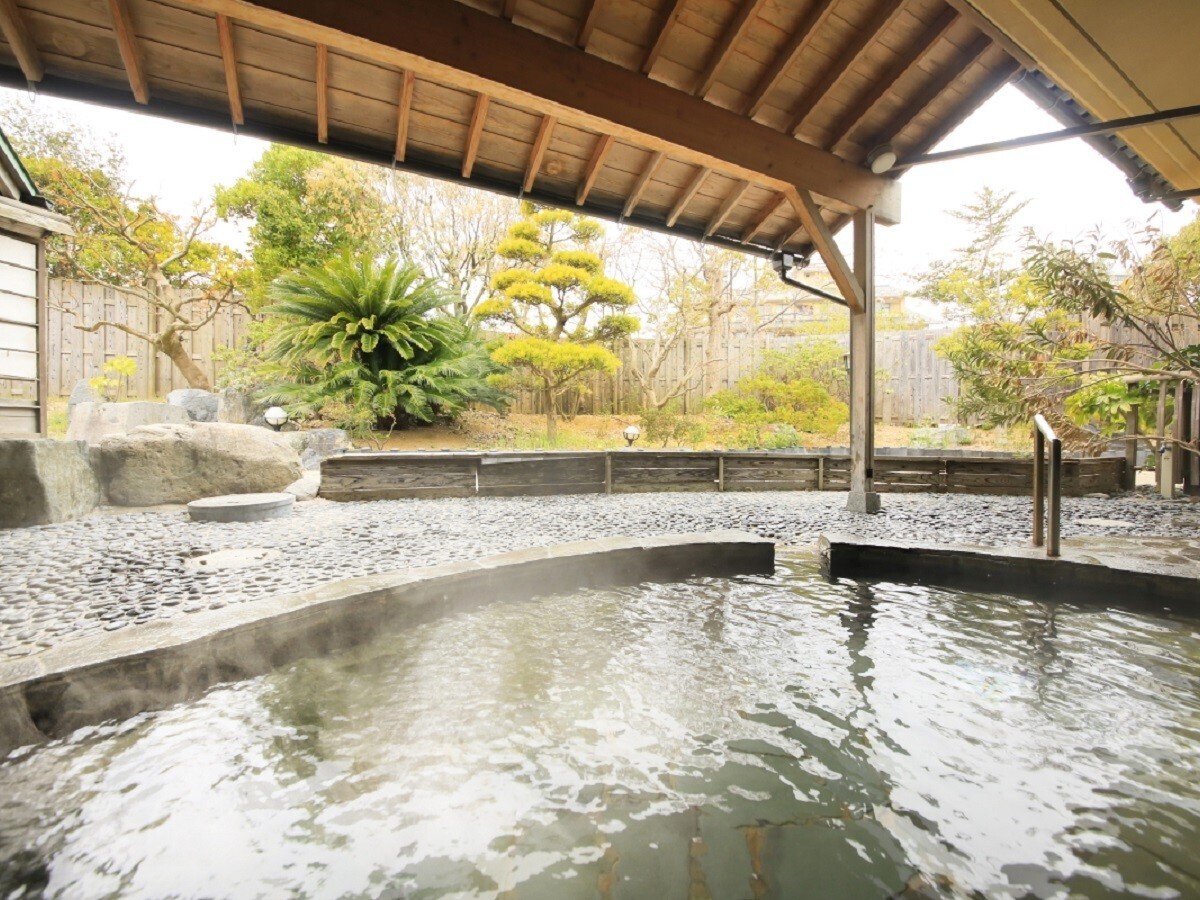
x=1042, y=432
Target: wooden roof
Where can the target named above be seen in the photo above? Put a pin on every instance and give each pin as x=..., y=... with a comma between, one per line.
x=746, y=122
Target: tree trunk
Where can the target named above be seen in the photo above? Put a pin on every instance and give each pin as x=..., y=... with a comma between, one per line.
x=551, y=417
x=171, y=345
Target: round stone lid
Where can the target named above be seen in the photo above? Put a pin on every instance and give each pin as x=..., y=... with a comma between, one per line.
x=241, y=507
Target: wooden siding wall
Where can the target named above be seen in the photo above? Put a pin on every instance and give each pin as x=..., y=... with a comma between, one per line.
x=75, y=354
x=913, y=382
x=387, y=476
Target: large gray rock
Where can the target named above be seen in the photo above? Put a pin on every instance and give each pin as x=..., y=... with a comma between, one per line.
x=180, y=463
x=81, y=393
x=201, y=406
x=92, y=422
x=238, y=407
x=317, y=444
x=44, y=481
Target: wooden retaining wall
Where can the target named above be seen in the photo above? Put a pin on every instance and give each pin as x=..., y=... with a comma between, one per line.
x=390, y=476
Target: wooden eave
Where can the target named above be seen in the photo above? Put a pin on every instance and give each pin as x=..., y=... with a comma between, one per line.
x=533, y=61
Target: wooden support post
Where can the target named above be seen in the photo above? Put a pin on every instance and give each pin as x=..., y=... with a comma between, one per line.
x=720, y=471
x=863, y=498
x=1193, y=485
x=820, y=473
x=1131, y=448
x=1160, y=429
x=608, y=472
x=1179, y=431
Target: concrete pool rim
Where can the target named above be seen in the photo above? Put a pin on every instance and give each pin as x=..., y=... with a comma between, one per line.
x=116, y=676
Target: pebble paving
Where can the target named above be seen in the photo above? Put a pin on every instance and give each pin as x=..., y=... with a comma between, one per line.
x=110, y=572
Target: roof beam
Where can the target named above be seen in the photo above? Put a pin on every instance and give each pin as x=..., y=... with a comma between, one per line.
x=966, y=58
x=474, y=133
x=540, y=143
x=470, y=50
x=12, y=24
x=643, y=182
x=734, y=33
x=822, y=238
x=131, y=55
x=727, y=206
x=508, y=8
x=686, y=197
x=992, y=83
x=863, y=38
x=322, y=94
x=929, y=38
x=229, y=61
x=403, y=111
x=666, y=23
x=595, y=164
x=763, y=217
x=791, y=52
x=587, y=24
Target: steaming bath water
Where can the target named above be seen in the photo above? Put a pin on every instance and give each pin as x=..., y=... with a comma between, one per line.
x=744, y=738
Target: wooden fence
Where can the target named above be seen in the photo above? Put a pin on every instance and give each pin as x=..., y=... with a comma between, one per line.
x=913, y=381
x=912, y=386
x=75, y=354
x=389, y=476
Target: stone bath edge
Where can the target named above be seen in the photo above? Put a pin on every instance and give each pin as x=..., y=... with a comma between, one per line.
x=1084, y=577
x=115, y=676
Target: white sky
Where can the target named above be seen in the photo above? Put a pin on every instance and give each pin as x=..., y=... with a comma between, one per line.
x=1071, y=187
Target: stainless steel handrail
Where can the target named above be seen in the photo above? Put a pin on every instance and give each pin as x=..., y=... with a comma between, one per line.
x=1042, y=432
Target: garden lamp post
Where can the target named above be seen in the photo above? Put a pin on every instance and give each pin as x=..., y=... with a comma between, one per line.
x=631, y=434
x=276, y=417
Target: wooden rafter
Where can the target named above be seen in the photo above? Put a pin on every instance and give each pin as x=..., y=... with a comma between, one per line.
x=791, y=52
x=322, y=94
x=666, y=23
x=471, y=50
x=508, y=8
x=643, y=182
x=474, y=133
x=791, y=237
x=945, y=80
x=403, y=112
x=540, y=143
x=131, y=54
x=588, y=23
x=727, y=206
x=763, y=217
x=864, y=37
x=729, y=39
x=822, y=238
x=920, y=48
x=991, y=83
x=15, y=31
x=229, y=61
x=686, y=197
x=595, y=164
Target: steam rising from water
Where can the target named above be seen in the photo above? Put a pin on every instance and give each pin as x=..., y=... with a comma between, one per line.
x=759, y=737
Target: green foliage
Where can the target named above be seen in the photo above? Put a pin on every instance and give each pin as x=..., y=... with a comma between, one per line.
x=305, y=208
x=762, y=400
x=822, y=360
x=365, y=344
x=113, y=381
x=668, y=425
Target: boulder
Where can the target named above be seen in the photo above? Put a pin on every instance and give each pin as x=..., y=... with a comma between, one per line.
x=306, y=486
x=317, y=444
x=92, y=422
x=201, y=406
x=238, y=407
x=180, y=463
x=81, y=393
x=44, y=481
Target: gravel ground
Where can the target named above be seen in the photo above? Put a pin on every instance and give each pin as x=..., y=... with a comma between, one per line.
x=117, y=571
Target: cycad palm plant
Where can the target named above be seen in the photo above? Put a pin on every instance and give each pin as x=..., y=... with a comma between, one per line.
x=368, y=342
